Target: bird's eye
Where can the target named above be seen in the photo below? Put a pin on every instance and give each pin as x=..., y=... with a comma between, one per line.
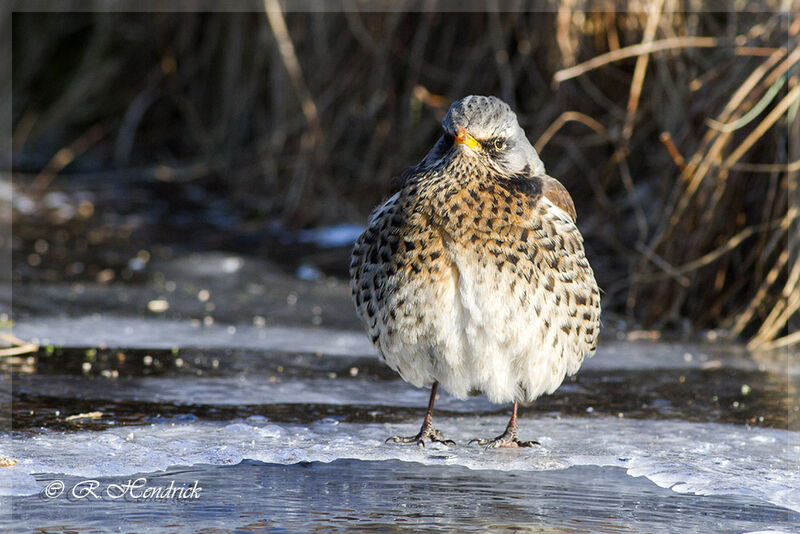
x=499, y=143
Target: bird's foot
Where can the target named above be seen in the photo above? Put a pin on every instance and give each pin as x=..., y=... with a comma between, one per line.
x=506, y=440
x=427, y=432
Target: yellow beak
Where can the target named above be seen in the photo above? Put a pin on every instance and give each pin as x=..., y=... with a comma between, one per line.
x=464, y=138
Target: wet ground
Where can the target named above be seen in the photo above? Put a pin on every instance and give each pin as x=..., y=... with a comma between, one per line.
x=252, y=389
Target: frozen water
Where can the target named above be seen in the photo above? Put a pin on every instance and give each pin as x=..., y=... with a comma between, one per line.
x=331, y=236
x=244, y=390
x=704, y=459
x=132, y=333
x=331, y=406
x=392, y=495
x=308, y=272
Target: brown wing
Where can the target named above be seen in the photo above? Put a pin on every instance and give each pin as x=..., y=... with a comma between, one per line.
x=558, y=195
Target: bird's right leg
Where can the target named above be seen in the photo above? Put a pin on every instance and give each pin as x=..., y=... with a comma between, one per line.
x=427, y=432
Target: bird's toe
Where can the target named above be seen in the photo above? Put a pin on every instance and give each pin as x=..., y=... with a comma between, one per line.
x=504, y=441
x=427, y=434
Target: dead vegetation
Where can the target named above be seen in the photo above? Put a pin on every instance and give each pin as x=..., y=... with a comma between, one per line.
x=675, y=130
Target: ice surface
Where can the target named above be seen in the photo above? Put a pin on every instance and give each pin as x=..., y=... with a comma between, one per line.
x=331, y=236
x=132, y=333
x=392, y=496
x=242, y=390
x=619, y=474
x=705, y=459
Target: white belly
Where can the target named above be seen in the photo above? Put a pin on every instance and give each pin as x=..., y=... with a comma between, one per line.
x=479, y=334
x=509, y=354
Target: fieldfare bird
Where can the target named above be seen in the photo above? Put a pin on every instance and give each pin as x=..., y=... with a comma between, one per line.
x=473, y=276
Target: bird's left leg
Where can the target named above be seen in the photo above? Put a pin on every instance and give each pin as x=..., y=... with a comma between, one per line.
x=508, y=439
x=427, y=432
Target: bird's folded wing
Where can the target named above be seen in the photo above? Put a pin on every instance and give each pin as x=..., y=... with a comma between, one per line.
x=558, y=195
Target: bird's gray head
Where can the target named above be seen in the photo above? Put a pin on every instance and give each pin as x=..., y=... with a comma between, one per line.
x=485, y=127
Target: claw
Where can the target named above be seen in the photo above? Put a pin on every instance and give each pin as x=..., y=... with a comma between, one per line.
x=426, y=432
x=508, y=439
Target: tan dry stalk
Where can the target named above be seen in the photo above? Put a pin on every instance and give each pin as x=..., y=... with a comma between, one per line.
x=633, y=51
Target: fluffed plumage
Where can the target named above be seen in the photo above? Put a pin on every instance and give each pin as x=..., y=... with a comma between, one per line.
x=474, y=274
